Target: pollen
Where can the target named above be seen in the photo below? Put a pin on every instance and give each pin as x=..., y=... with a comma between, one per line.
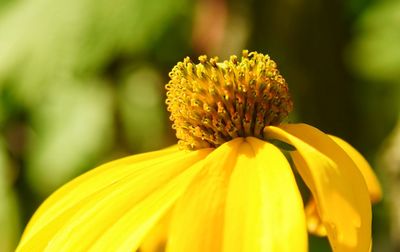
x=213, y=102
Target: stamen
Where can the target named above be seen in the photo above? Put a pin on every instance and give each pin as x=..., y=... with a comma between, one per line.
x=213, y=102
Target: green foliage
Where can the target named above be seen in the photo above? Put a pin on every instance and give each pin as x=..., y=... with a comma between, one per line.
x=375, y=51
x=374, y=55
x=44, y=41
x=70, y=129
x=141, y=107
x=9, y=219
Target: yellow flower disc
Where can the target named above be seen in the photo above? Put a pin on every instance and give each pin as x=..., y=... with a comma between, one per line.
x=213, y=102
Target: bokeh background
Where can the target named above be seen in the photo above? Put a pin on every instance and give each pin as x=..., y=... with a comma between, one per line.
x=82, y=82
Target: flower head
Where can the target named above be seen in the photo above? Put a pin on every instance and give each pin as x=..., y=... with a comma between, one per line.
x=212, y=103
x=226, y=187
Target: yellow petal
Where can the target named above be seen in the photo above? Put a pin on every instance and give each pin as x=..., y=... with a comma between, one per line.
x=93, y=207
x=264, y=210
x=91, y=182
x=314, y=222
x=156, y=239
x=336, y=183
x=374, y=188
x=126, y=233
x=198, y=219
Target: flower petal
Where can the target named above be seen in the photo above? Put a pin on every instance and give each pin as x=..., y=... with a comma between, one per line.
x=198, y=219
x=264, y=210
x=129, y=229
x=336, y=183
x=314, y=222
x=374, y=188
x=156, y=239
x=90, y=182
x=92, y=207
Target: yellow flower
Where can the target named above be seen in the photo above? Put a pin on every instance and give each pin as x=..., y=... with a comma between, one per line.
x=227, y=186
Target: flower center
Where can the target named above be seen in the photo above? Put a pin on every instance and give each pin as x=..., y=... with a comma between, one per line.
x=213, y=102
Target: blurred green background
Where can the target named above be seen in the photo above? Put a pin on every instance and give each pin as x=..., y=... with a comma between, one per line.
x=82, y=82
